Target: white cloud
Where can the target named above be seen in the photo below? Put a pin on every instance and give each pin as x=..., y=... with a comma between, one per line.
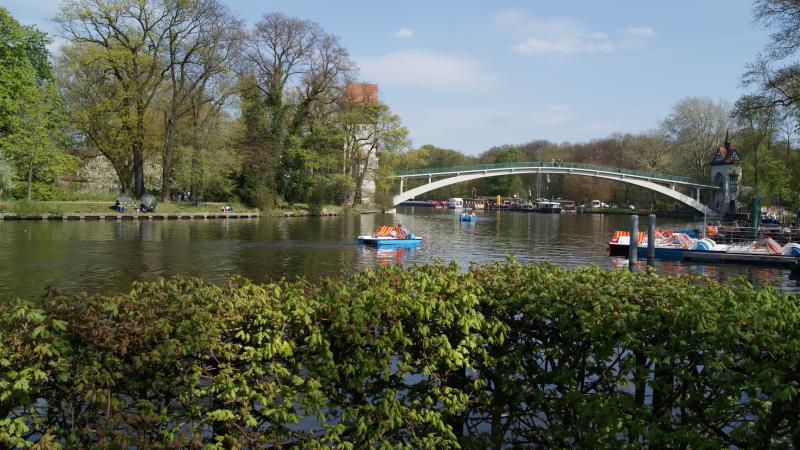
x=539, y=36
x=426, y=69
x=403, y=33
x=641, y=31
x=565, y=45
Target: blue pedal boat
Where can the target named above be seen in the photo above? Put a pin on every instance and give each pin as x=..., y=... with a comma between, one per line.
x=386, y=241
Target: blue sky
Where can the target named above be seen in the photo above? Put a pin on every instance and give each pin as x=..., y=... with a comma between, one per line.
x=470, y=75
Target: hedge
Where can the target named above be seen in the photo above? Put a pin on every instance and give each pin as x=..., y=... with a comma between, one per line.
x=495, y=356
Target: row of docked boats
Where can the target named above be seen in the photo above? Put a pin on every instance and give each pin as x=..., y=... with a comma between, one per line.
x=683, y=245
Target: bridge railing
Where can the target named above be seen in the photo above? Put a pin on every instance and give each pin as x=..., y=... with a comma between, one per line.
x=571, y=165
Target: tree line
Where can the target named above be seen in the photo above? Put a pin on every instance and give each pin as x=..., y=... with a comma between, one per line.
x=684, y=143
x=180, y=94
x=762, y=125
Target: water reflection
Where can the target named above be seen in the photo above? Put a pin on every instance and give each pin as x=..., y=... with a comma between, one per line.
x=105, y=256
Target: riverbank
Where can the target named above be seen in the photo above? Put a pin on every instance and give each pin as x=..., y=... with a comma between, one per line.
x=103, y=210
x=304, y=210
x=380, y=359
x=61, y=208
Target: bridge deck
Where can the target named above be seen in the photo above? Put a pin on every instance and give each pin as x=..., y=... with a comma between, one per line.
x=554, y=166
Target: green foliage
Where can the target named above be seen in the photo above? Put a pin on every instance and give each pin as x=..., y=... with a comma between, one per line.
x=6, y=175
x=39, y=191
x=23, y=57
x=501, y=355
x=262, y=198
x=36, y=138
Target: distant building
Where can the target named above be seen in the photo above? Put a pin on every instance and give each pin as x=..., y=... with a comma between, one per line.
x=726, y=171
x=360, y=93
x=361, y=151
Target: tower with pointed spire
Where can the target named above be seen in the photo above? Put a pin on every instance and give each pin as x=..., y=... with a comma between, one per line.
x=726, y=171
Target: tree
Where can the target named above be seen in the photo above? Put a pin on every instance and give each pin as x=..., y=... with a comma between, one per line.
x=294, y=72
x=6, y=175
x=33, y=143
x=695, y=127
x=507, y=184
x=756, y=120
x=126, y=41
x=96, y=109
x=23, y=58
x=782, y=83
x=370, y=130
x=203, y=37
x=649, y=152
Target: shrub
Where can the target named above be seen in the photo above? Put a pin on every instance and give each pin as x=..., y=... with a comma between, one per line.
x=500, y=355
x=384, y=200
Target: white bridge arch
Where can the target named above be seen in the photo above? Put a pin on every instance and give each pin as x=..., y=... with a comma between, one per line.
x=663, y=184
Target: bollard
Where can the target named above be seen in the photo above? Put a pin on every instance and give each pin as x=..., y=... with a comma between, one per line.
x=755, y=215
x=651, y=238
x=633, y=245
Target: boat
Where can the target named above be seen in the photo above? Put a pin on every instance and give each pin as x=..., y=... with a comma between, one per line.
x=390, y=236
x=683, y=246
x=467, y=216
x=455, y=203
x=548, y=207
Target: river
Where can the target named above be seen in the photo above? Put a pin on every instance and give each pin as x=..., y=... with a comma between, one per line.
x=106, y=256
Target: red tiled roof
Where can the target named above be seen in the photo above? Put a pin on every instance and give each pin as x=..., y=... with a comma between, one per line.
x=356, y=93
x=725, y=155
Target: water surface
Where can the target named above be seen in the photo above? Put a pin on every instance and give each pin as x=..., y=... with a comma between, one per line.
x=106, y=256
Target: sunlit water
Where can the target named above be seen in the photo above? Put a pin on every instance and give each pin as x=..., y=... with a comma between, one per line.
x=106, y=256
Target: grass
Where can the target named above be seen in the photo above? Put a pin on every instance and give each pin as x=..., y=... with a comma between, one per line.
x=59, y=208
x=302, y=209
x=34, y=208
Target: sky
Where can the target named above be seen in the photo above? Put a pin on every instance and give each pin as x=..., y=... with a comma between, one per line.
x=469, y=75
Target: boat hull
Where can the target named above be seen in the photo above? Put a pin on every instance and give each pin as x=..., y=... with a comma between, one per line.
x=388, y=242
x=554, y=210
x=720, y=256
x=675, y=253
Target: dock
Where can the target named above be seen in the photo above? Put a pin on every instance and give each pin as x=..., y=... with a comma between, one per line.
x=742, y=258
x=131, y=216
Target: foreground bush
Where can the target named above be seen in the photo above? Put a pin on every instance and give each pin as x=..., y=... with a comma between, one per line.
x=496, y=356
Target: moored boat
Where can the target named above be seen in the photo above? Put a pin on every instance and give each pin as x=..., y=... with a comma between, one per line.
x=680, y=245
x=455, y=203
x=548, y=207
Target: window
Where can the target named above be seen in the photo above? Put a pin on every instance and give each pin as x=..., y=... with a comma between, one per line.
x=733, y=182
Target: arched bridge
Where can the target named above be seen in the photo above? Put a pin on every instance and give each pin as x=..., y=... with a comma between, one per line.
x=663, y=184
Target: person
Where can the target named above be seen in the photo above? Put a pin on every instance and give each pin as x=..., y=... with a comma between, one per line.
x=406, y=233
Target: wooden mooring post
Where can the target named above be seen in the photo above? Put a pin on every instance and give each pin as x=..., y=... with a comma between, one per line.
x=651, y=239
x=633, y=244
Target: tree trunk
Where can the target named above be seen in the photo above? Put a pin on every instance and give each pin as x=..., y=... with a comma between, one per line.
x=30, y=178
x=166, y=156
x=138, y=150
x=196, y=150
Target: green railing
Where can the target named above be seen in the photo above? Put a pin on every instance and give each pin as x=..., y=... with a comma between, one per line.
x=569, y=165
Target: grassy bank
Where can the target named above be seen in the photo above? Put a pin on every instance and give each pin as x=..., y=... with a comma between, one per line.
x=496, y=356
x=24, y=208
x=301, y=210
x=36, y=208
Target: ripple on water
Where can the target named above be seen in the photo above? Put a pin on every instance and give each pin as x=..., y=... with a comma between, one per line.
x=107, y=256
